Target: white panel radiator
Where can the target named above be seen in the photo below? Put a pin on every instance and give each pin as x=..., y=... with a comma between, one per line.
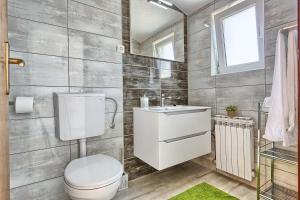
x=235, y=146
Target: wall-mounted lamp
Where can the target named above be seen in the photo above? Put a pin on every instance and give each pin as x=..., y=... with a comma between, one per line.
x=158, y=3
x=165, y=5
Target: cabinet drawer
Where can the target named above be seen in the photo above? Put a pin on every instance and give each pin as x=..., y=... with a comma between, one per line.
x=174, y=151
x=178, y=125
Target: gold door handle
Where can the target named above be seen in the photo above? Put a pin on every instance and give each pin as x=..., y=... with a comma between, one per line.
x=7, y=61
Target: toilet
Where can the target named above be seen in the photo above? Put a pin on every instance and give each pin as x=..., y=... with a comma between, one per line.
x=95, y=177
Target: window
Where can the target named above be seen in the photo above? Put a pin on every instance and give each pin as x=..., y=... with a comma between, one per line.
x=238, y=43
x=164, y=47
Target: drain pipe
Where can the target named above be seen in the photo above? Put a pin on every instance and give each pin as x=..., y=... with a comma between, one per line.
x=82, y=147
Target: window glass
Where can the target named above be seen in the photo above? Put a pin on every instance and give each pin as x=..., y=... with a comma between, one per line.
x=240, y=38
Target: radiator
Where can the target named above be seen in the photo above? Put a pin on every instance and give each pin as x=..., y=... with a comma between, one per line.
x=235, y=146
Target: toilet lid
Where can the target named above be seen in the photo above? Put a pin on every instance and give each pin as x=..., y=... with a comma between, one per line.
x=93, y=172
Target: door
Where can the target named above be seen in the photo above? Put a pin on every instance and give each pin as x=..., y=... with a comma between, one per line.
x=4, y=152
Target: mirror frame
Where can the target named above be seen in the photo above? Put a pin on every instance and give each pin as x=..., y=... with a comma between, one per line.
x=126, y=36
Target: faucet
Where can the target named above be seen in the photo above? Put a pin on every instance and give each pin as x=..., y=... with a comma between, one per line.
x=162, y=101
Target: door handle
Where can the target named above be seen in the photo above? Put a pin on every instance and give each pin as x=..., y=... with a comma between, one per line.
x=7, y=61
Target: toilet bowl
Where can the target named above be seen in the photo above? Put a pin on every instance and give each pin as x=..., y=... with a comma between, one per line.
x=96, y=177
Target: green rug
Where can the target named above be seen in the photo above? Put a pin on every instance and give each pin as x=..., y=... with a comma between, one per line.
x=204, y=191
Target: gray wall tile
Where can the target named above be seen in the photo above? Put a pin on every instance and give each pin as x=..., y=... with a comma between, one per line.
x=34, y=37
x=110, y=6
x=35, y=166
x=244, y=97
x=32, y=134
x=43, y=100
x=254, y=77
x=50, y=11
x=93, y=20
x=52, y=189
x=203, y=97
x=199, y=60
x=39, y=70
x=95, y=74
x=94, y=47
x=201, y=79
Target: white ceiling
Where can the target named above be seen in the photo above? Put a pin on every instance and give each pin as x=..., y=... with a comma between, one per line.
x=148, y=19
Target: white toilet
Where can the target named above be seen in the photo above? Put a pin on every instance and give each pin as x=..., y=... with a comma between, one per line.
x=96, y=177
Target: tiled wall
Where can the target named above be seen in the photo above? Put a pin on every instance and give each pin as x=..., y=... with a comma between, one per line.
x=142, y=75
x=68, y=46
x=243, y=89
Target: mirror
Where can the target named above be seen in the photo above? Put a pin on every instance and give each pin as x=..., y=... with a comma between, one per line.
x=156, y=30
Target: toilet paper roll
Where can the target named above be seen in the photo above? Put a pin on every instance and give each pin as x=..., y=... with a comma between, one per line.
x=24, y=105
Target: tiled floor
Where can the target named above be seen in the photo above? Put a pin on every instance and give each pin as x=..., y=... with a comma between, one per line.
x=165, y=184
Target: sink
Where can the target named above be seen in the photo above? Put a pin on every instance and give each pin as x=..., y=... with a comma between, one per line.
x=179, y=108
x=167, y=136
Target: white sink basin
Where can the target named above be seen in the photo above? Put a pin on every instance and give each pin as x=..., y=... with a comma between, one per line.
x=174, y=108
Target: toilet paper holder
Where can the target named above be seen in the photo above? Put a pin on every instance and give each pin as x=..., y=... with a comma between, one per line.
x=23, y=105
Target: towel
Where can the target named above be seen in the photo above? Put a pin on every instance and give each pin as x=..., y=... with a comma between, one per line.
x=278, y=113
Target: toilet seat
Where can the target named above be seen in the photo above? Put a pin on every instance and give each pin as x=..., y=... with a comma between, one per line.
x=93, y=172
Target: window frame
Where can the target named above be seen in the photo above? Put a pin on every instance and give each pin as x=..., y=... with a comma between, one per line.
x=163, y=40
x=219, y=63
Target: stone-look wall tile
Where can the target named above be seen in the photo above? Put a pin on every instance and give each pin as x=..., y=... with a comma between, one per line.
x=277, y=12
x=35, y=166
x=113, y=6
x=111, y=147
x=171, y=83
x=52, y=189
x=34, y=37
x=201, y=79
x=199, y=41
x=128, y=126
x=199, y=60
x=94, y=20
x=84, y=73
x=132, y=97
x=115, y=93
x=141, y=83
x=175, y=97
x=40, y=70
x=93, y=47
x=270, y=62
x=43, y=100
x=32, y=134
x=203, y=97
x=137, y=168
x=255, y=77
x=245, y=97
x=128, y=147
x=50, y=11
x=135, y=60
x=137, y=71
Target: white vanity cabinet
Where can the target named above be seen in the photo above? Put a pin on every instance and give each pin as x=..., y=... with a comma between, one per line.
x=164, y=137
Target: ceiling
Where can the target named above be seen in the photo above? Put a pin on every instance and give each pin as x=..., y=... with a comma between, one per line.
x=148, y=19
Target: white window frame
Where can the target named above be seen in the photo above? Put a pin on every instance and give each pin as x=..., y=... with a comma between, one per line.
x=165, y=39
x=219, y=63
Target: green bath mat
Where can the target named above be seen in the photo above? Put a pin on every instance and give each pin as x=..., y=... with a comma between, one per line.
x=204, y=191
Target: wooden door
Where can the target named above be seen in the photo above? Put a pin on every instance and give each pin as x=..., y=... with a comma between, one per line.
x=4, y=151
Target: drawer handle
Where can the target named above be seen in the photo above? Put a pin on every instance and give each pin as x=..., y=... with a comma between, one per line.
x=184, y=112
x=185, y=137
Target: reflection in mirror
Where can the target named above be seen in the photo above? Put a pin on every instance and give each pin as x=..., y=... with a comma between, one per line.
x=157, y=29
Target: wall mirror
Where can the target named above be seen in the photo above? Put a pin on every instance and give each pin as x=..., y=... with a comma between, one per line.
x=156, y=29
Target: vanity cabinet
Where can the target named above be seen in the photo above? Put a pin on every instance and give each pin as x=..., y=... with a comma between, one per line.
x=167, y=137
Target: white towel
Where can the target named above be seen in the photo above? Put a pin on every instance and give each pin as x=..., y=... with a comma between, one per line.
x=292, y=72
x=278, y=113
